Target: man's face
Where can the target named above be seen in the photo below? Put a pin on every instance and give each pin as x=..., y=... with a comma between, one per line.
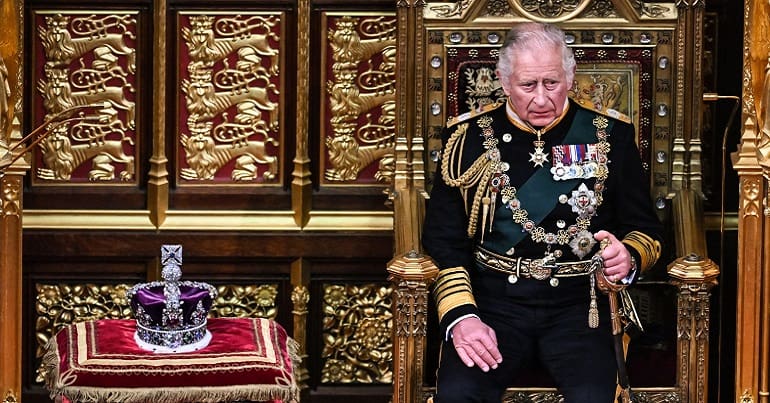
x=538, y=87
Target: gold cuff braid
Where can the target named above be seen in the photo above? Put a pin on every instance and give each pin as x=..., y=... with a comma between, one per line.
x=648, y=248
x=452, y=289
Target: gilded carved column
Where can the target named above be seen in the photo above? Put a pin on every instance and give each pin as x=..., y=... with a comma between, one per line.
x=302, y=185
x=686, y=169
x=752, y=162
x=407, y=192
x=411, y=275
x=300, y=296
x=695, y=276
x=157, y=184
x=11, y=186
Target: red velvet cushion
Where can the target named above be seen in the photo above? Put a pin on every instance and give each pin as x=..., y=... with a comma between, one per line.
x=98, y=361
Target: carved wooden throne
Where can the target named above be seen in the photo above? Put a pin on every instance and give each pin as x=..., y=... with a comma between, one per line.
x=640, y=58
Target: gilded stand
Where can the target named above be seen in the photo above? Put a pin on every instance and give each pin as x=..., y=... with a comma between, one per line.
x=411, y=275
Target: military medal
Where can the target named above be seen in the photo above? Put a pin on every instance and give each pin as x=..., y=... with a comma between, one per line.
x=583, y=201
x=538, y=158
x=574, y=161
x=582, y=243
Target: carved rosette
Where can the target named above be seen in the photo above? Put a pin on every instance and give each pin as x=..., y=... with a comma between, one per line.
x=357, y=327
x=88, y=59
x=249, y=301
x=230, y=127
x=551, y=9
x=59, y=305
x=360, y=99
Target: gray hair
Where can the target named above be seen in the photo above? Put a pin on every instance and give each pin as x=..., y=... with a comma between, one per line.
x=533, y=34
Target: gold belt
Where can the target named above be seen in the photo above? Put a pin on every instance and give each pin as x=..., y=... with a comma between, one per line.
x=538, y=269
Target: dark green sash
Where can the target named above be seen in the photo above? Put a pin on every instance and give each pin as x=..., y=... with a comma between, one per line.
x=540, y=193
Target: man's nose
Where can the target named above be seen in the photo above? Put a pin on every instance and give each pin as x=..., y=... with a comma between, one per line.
x=540, y=95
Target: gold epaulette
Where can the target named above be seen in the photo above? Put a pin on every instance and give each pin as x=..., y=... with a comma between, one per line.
x=612, y=113
x=471, y=114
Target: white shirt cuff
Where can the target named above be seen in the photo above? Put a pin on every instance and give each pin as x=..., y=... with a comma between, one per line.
x=456, y=321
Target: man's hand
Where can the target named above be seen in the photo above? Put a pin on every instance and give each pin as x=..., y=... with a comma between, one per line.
x=476, y=344
x=617, y=259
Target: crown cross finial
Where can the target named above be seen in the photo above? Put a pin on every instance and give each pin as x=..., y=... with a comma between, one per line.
x=171, y=253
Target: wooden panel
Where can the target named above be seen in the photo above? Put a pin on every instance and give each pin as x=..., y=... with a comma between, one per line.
x=253, y=268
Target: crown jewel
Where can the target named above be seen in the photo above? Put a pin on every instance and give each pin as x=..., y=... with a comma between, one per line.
x=171, y=314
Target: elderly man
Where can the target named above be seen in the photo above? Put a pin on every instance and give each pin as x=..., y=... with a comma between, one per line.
x=525, y=193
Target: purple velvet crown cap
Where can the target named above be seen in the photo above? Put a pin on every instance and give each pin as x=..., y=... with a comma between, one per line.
x=171, y=314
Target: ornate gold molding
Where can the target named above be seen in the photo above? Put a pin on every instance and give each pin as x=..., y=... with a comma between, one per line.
x=549, y=10
x=88, y=59
x=157, y=181
x=551, y=396
x=361, y=95
x=302, y=184
x=10, y=196
x=300, y=296
x=695, y=276
x=10, y=397
x=411, y=275
x=246, y=301
x=232, y=90
x=357, y=328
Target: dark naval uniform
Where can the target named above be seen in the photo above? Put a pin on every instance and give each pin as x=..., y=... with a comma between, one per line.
x=510, y=223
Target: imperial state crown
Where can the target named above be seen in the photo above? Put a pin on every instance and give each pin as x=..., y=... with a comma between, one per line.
x=171, y=315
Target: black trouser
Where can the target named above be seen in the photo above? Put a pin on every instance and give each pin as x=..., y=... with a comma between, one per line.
x=580, y=360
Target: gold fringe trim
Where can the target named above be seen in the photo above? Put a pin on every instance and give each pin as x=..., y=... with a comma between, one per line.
x=180, y=395
x=211, y=394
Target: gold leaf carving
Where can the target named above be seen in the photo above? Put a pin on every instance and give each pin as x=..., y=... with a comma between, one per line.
x=246, y=301
x=83, y=69
x=551, y=9
x=10, y=197
x=59, y=305
x=6, y=109
x=518, y=396
x=751, y=191
x=10, y=397
x=357, y=328
x=362, y=98
x=231, y=95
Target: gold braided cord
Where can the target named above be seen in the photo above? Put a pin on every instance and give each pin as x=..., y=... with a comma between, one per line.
x=469, y=177
x=481, y=190
x=478, y=174
x=649, y=249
